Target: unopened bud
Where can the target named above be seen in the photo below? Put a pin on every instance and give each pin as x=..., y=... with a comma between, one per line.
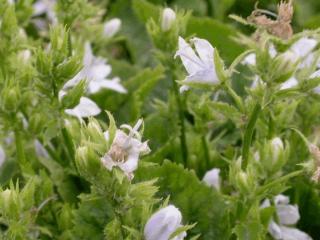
x=163, y=223
x=212, y=178
x=11, y=99
x=87, y=161
x=277, y=148
x=111, y=27
x=168, y=17
x=243, y=182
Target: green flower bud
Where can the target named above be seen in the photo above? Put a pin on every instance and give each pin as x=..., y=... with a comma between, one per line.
x=273, y=155
x=68, y=68
x=71, y=98
x=283, y=67
x=88, y=162
x=11, y=99
x=8, y=201
x=36, y=123
x=95, y=132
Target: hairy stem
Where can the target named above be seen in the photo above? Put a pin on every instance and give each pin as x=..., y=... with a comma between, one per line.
x=206, y=151
x=247, y=139
x=183, y=141
x=19, y=146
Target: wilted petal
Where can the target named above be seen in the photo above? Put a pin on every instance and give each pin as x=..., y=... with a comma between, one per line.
x=212, y=178
x=293, y=234
x=131, y=163
x=85, y=108
x=163, y=223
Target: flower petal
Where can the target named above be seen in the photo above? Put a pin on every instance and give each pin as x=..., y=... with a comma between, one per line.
x=274, y=230
x=204, y=50
x=212, y=178
x=303, y=46
x=293, y=234
x=85, y=108
x=163, y=223
x=189, y=59
x=114, y=84
x=288, y=214
x=291, y=82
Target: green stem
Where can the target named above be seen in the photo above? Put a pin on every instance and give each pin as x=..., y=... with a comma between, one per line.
x=279, y=180
x=206, y=151
x=249, y=133
x=183, y=141
x=19, y=146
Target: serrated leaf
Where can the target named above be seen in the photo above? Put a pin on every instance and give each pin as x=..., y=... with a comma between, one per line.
x=197, y=202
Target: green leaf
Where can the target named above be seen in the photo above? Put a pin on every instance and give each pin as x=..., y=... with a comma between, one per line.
x=145, y=10
x=220, y=35
x=197, y=202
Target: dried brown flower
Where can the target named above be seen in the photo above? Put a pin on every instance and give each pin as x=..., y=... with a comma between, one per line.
x=281, y=26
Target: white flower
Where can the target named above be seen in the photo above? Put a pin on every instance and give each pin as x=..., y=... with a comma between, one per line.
x=111, y=27
x=212, y=178
x=40, y=150
x=2, y=156
x=95, y=71
x=315, y=75
x=125, y=149
x=287, y=215
x=303, y=47
x=45, y=7
x=163, y=223
x=168, y=17
x=85, y=108
x=200, y=66
x=290, y=83
x=250, y=59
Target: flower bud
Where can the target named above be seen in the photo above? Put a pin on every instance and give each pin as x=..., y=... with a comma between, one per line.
x=111, y=27
x=284, y=66
x=273, y=155
x=24, y=55
x=71, y=98
x=168, y=17
x=163, y=223
x=8, y=202
x=11, y=99
x=212, y=178
x=87, y=161
x=243, y=182
x=277, y=148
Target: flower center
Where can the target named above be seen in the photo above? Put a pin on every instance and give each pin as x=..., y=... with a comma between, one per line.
x=118, y=153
